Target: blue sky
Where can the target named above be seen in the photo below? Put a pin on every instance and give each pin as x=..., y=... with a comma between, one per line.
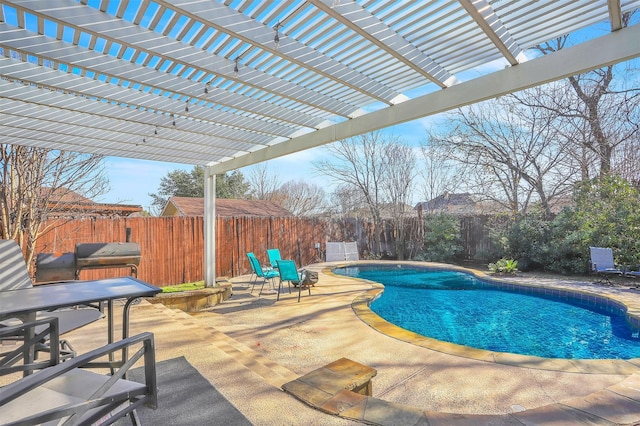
x=132, y=180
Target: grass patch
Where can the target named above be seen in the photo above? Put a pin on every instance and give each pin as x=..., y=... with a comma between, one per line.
x=198, y=285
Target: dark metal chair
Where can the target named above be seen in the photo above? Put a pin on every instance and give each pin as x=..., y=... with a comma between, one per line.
x=69, y=394
x=29, y=336
x=14, y=275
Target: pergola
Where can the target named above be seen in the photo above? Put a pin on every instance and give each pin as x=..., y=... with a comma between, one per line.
x=230, y=83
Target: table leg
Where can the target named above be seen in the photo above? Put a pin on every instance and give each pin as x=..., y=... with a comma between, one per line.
x=30, y=350
x=125, y=328
x=110, y=327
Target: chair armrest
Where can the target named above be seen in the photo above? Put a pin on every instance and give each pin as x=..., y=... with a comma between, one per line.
x=30, y=340
x=95, y=401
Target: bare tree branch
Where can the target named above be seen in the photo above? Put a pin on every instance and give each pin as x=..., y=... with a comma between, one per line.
x=36, y=184
x=263, y=183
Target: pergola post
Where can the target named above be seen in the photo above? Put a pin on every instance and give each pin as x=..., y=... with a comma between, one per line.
x=209, y=228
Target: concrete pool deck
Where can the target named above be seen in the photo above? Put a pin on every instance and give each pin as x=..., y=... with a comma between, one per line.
x=248, y=347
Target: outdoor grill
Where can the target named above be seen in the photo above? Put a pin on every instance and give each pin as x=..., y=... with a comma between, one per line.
x=55, y=267
x=67, y=266
x=107, y=255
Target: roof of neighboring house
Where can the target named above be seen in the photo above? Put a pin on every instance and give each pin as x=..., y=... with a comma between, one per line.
x=559, y=203
x=68, y=201
x=465, y=204
x=458, y=204
x=64, y=195
x=386, y=210
x=225, y=207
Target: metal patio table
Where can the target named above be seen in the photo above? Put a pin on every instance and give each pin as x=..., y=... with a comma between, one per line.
x=24, y=303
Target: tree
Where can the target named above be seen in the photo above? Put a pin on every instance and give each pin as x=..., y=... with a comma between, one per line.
x=371, y=163
x=300, y=198
x=439, y=174
x=514, y=153
x=605, y=108
x=232, y=185
x=626, y=160
x=398, y=184
x=441, y=238
x=359, y=162
x=180, y=183
x=263, y=185
x=606, y=214
x=346, y=200
x=35, y=183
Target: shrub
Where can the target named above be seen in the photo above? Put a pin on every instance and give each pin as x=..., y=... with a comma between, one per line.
x=498, y=227
x=504, y=266
x=529, y=240
x=606, y=214
x=441, y=238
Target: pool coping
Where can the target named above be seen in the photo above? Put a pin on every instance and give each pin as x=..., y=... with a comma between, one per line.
x=361, y=307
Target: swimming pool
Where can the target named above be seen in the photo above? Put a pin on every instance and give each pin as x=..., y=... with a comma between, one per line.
x=457, y=307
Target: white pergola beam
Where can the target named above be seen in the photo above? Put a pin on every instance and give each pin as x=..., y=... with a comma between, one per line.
x=612, y=48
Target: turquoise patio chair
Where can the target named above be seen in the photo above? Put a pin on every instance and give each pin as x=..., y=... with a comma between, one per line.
x=260, y=272
x=274, y=256
x=289, y=272
x=253, y=276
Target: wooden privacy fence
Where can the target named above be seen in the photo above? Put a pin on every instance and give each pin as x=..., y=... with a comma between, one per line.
x=295, y=237
x=172, y=248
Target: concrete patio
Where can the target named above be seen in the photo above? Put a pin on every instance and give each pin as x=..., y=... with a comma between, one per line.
x=249, y=346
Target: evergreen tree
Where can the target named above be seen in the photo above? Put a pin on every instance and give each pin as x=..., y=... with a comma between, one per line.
x=180, y=183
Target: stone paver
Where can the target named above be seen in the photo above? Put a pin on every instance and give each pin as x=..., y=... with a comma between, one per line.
x=560, y=415
x=609, y=406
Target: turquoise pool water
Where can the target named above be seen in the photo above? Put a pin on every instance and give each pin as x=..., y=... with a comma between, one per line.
x=456, y=307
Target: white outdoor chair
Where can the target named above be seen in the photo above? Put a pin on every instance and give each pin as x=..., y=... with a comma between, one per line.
x=603, y=265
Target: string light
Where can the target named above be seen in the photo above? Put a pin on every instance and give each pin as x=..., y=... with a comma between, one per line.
x=276, y=38
x=173, y=119
x=235, y=68
x=186, y=106
x=206, y=89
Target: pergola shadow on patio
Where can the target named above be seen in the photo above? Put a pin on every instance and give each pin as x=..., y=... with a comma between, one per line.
x=248, y=348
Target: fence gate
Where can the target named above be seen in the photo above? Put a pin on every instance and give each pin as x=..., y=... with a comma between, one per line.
x=342, y=251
